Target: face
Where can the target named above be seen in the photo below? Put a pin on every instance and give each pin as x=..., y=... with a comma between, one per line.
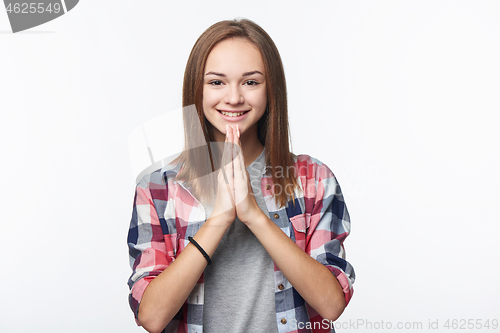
x=234, y=87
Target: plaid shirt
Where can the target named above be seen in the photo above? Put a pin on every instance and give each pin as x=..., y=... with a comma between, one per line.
x=165, y=214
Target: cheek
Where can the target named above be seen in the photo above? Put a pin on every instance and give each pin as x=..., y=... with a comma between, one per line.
x=258, y=98
x=210, y=97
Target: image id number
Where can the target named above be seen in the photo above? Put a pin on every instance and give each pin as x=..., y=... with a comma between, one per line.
x=470, y=324
x=33, y=7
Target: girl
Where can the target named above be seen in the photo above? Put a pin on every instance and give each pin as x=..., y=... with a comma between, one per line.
x=241, y=236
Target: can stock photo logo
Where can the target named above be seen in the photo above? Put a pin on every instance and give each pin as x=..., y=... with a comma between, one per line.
x=25, y=15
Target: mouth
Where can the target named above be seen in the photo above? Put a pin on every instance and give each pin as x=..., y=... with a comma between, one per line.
x=232, y=113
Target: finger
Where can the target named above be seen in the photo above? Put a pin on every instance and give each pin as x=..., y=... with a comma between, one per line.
x=226, y=164
x=225, y=157
x=232, y=151
x=240, y=175
x=240, y=158
x=239, y=163
x=230, y=135
x=229, y=168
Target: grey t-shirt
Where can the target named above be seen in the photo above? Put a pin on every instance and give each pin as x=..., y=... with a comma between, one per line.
x=239, y=285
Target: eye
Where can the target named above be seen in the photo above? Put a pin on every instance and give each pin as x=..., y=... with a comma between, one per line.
x=215, y=83
x=251, y=83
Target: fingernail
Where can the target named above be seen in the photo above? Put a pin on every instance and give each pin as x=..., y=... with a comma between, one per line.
x=238, y=131
x=227, y=129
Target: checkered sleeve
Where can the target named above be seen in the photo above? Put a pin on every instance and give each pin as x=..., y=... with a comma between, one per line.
x=326, y=223
x=148, y=252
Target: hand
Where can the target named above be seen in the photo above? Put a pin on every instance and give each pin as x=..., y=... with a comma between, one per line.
x=224, y=207
x=247, y=208
x=234, y=192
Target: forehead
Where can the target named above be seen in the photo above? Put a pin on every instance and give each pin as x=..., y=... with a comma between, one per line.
x=234, y=55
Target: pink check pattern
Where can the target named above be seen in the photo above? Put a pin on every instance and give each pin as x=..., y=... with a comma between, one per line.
x=165, y=214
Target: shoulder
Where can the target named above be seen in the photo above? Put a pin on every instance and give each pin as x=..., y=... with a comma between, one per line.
x=309, y=167
x=155, y=188
x=315, y=178
x=159, y=177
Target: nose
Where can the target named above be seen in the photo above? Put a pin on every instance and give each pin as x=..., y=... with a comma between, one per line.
x=234, y=95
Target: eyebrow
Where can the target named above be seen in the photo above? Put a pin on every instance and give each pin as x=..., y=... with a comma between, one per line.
x=244, y=74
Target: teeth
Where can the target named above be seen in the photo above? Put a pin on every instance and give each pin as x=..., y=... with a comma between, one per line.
x=232, y=114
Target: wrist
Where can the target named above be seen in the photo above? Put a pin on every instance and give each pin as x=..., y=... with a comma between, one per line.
x=256, y=220
x=219, y=220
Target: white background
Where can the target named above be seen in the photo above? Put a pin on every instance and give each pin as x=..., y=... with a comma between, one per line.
x=399, y=98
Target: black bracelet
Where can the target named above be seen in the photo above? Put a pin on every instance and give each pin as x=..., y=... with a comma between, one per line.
x=191, y=239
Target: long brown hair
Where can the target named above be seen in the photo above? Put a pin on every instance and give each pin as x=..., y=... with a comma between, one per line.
x=272, y=128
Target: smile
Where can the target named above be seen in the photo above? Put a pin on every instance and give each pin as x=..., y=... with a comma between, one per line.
x=233, y=114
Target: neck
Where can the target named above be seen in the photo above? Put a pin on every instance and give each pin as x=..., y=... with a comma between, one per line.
x=250, y=144
x=251, y=147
